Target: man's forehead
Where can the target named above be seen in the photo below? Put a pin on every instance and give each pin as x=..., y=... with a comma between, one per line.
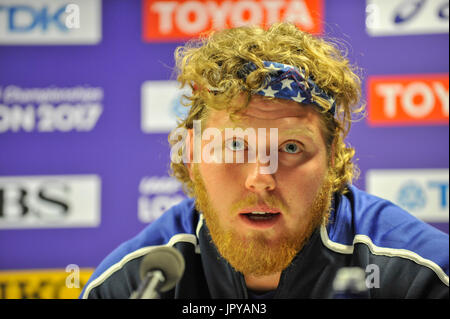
x=288, y=116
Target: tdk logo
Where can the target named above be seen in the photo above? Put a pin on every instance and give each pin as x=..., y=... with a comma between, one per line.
x=50, y=22
x=25, y=18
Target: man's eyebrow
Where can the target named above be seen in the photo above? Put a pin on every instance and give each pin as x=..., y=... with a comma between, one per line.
x=235, y=126
x=304, y=131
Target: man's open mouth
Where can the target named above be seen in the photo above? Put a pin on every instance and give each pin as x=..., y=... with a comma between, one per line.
x=260, y=217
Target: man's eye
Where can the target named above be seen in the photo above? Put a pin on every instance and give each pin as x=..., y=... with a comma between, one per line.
x=291, y=148
x=235, y=145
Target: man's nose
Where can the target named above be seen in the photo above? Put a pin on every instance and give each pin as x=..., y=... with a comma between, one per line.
x=258, y=182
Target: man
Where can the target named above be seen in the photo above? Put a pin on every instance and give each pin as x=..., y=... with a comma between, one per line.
x=273, y=213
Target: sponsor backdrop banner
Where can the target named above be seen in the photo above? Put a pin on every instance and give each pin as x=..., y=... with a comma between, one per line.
x=88, y=96
x=184, y=19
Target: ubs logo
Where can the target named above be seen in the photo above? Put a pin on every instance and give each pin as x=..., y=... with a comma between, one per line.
x=49, y=201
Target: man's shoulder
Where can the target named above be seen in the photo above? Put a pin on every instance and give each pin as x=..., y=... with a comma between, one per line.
x=386, y=230
x=177, y=221
x=178, y=224
x=360, y=213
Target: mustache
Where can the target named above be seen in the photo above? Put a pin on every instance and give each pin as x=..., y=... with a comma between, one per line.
x=255, y=200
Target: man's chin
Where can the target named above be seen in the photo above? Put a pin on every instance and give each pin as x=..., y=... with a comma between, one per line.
x=254, y=253
x=263, y=239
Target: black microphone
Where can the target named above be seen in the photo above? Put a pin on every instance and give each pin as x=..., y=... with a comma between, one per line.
x=160, y=271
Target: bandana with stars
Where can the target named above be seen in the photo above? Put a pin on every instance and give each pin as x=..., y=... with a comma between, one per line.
x=289, y=83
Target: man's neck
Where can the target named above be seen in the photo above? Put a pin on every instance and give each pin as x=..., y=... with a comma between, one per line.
x=262, y=283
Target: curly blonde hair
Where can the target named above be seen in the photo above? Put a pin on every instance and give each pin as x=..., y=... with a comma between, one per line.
x=217, y=60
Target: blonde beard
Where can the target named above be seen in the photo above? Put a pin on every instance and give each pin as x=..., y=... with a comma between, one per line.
x=254, y=253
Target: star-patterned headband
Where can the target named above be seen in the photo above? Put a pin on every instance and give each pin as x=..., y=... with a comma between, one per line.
x=289, y=83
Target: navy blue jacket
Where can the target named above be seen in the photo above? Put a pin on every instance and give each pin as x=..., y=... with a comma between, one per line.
x=363, y=230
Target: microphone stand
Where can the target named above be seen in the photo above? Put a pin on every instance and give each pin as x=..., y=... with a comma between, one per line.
x=150, y=286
